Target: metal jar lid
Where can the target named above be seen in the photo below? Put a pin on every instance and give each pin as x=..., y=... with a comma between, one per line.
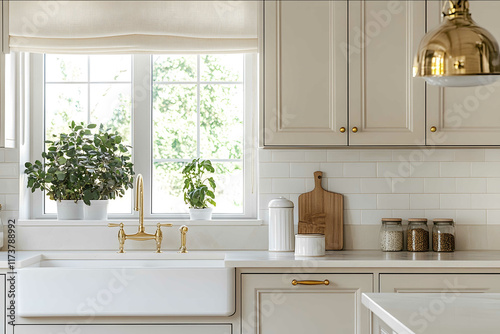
x=280, y=202
x=394, y=220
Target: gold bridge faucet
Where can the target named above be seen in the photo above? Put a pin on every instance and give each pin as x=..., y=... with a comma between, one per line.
x=141, y=235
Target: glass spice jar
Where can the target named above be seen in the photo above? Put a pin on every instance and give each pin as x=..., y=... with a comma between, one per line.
x=417, y=237
x=443, y=235
x=391, y=235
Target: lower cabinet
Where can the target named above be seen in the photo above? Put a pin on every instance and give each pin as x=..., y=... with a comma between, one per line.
x=303, y=303
x=430, y=283
x=124, y=329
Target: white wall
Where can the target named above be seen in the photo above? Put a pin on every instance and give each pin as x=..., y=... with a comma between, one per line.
x=463, y=184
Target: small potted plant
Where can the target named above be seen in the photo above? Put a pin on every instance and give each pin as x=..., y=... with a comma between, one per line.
x=64, y=173
x=198, y=189
x=110, y=173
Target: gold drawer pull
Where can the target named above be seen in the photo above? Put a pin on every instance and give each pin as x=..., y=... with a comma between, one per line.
x=325, y=282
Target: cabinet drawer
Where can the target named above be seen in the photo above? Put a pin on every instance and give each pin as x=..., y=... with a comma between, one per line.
x=429, y=283
x=125, y=329
x=272, y=304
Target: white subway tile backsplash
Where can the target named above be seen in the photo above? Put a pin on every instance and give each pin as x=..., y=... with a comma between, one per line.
x=485, y=169
x=9, y=170
x=360, y=202
x=493, y=217
x=342, y=155
x=408, y=156
x=393, y=169
x=424, y=201
x=407, y=185
x=485, y=201
x=405, y=214
x=316, y=156
x=375, y=155
x=425, y=169
x=376, y=185
x=440, y=185
x=471, y=185
x=9, y=186
x=393, y=201
x=331, y=169
x=492, y=154
x=265, y=185
x=433, y=214
x=289, y=186
x=374, y=217
x=265, y=155
x=275, y=169
x=470, y=155
x=471, y=217
x=344, y=185
x=455, y=169
x=436, y=154
x=12, y=155
x=303, y=169
x=289, y=155
x=493, y=185
x=360, y=170
x=352, y=217
x=455, y=201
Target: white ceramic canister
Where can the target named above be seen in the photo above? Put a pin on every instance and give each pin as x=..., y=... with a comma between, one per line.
x=310, y=245
x=281, y=235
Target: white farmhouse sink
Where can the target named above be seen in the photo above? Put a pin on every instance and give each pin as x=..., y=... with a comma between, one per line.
x=130, y=284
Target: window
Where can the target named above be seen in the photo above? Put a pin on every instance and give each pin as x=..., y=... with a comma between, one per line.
x=170, y=109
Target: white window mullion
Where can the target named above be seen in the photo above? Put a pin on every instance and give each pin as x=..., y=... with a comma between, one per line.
x=142, y=125
x=198, y=116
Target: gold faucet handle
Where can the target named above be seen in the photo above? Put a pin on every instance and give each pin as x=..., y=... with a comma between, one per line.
x=164, y=225
x=115, y=225
x=183, y=248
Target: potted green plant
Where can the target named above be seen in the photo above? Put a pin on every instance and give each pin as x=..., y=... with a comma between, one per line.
x=110, y=172
x=64, y=172
x=198, y=189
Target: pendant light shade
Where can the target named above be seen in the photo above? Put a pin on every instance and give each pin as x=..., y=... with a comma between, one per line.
x=458, y=53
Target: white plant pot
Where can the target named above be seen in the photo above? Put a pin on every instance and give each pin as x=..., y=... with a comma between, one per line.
x=69, y=210
x=97, y=210
x=200, y=214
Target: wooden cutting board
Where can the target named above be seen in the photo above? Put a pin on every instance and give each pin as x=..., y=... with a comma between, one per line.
x=322, y=212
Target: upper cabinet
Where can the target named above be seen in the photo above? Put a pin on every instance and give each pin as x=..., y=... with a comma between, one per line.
x=386, y=104
x=309, y=62
x=305, y=73
x=465, y=116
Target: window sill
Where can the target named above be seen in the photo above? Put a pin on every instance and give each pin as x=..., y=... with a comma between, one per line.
x=134, y=222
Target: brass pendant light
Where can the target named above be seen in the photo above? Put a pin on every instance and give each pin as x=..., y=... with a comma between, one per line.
x=458, y=53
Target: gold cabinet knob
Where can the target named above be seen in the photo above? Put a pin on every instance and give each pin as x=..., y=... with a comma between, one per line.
x=342, y=129
x=354, y=129
x=433, y=129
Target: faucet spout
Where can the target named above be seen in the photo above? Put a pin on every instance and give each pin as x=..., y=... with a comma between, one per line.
x=139, y=201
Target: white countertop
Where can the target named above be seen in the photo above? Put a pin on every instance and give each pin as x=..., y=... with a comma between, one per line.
x=437, y=313
x=262, y=259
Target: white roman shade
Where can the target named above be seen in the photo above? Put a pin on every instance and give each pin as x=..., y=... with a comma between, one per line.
x=133, y=26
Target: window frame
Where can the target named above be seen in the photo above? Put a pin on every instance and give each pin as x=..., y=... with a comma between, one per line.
x=142, y=103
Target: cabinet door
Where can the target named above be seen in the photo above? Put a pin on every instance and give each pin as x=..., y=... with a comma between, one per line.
x=430, y=283
x=386, y=104
x=272, y=304
x=124, y=329
x=305, y=73
x=465, y=115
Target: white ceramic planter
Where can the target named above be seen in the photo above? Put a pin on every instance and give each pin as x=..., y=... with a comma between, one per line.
x=69, y=210
x=97, y=210
x=200, y=214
